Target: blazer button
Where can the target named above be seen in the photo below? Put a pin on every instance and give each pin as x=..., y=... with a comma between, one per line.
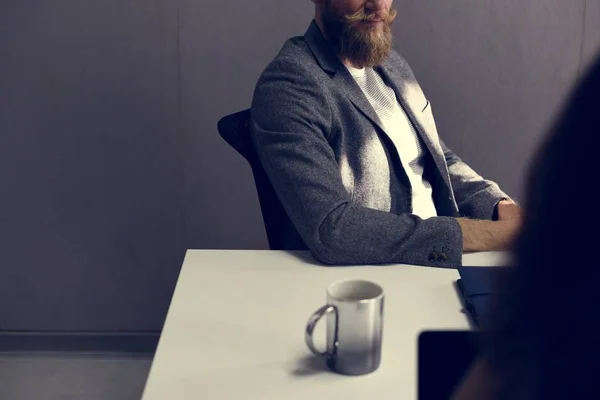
x=433, y=257
x=442, y=257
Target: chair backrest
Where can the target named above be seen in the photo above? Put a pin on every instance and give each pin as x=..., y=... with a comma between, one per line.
x=235, y=130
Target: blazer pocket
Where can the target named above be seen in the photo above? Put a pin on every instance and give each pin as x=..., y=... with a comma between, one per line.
x=426, y=106
x=428, y=121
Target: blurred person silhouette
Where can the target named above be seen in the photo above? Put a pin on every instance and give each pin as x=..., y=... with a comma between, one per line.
x=543, y=337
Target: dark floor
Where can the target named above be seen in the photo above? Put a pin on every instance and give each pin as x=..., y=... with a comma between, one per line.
x=98, y=368
x=66, y=377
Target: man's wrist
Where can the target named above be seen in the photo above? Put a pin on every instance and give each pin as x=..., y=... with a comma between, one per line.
x=477, y=234
x=495, y=213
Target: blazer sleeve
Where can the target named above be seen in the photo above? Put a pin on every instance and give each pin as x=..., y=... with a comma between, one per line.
x=291, y=121
x=476, y=197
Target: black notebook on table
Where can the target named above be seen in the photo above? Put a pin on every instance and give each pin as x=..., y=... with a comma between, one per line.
x=475, y=287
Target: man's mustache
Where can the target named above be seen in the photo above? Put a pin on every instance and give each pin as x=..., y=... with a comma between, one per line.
x=361, y=15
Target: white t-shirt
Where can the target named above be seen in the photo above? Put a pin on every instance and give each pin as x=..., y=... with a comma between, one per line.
x=399, y=128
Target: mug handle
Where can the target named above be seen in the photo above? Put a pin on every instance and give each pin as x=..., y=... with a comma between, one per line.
x=310, y=327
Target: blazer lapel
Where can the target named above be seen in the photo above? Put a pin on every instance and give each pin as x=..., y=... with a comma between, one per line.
x=414, y=102
x=330, y=63
x=344, y=79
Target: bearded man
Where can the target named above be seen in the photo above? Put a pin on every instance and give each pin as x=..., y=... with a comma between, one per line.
x=348, y=141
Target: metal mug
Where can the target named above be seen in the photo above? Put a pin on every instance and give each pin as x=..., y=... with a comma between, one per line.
x=354, y=327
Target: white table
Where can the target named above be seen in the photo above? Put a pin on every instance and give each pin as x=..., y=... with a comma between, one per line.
x=235, y=327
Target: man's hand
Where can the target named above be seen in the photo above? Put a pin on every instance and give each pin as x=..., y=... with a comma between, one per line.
x=508, y=209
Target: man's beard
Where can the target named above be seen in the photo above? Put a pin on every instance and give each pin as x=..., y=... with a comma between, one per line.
x=368, y=48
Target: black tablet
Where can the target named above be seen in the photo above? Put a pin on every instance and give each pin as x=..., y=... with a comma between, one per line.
x=443, y=359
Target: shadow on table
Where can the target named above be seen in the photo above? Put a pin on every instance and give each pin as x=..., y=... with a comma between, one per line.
x=309, y=366
x=305, y=257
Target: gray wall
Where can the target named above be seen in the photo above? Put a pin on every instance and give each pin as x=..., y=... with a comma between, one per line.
x=223, y=55
x=109, y=154
x=591, y=31
x=91, y=172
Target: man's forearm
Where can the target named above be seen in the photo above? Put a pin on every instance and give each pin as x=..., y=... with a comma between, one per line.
x=484, y=235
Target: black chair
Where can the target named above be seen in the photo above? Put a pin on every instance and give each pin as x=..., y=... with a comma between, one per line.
x=281, y=234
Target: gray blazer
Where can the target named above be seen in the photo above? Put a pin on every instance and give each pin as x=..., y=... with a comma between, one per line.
x=338, y=175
